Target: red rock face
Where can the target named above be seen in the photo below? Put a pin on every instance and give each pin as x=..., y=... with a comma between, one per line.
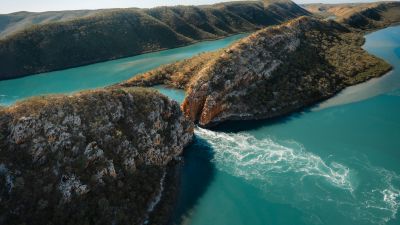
x=193, y=105
x=199, y=110
x=209, y=113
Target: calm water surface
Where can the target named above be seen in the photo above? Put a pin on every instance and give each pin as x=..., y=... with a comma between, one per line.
x=100, y=74
x=336, y=163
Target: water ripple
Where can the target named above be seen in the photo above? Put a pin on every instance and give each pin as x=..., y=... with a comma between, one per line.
x=287, y=173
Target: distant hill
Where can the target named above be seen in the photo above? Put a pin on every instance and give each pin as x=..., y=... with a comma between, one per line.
x=360, y=15
x=14, y=22
x=116, y=33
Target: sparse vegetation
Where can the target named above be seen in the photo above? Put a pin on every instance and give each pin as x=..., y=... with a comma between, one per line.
x=175, y=75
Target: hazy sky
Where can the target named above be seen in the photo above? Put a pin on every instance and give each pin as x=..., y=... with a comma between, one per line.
x=7, y=6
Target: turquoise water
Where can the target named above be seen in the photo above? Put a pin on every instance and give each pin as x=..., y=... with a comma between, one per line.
x=335, y=163
x=100, y=74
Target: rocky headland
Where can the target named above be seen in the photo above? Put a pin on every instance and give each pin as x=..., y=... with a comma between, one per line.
x=273, y=72
x=96, y=157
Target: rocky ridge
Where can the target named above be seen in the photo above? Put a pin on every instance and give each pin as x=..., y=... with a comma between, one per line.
x=271, y=73
x=97, y=157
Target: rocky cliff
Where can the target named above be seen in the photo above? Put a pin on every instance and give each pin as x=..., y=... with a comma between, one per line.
x=116, y=33
x=96, y=157
x=271, y=73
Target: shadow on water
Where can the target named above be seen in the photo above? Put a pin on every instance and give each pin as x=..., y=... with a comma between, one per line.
x=197, y=173
x=198, y=170
x=246, y=125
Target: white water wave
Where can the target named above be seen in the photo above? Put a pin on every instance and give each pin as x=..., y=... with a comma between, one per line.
x=288, y=173
x=384, y=198
x=259, y=159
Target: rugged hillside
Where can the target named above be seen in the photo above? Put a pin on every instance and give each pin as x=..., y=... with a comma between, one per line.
x=272, y=72
x=97, y=157
x=117, y=33
x=363, y=15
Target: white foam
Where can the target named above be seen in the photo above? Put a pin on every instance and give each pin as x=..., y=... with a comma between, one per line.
x=384, y=198
x=391, y=197
x=251, y=158
x=287, y=173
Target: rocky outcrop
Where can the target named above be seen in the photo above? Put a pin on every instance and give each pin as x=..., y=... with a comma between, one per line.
x=271, y=73
x=96, y=157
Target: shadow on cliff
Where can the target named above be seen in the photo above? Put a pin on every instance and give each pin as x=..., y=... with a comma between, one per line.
x=196, y=175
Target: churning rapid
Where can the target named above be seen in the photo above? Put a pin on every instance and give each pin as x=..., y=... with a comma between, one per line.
x=289, y=174
x=337, y=163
